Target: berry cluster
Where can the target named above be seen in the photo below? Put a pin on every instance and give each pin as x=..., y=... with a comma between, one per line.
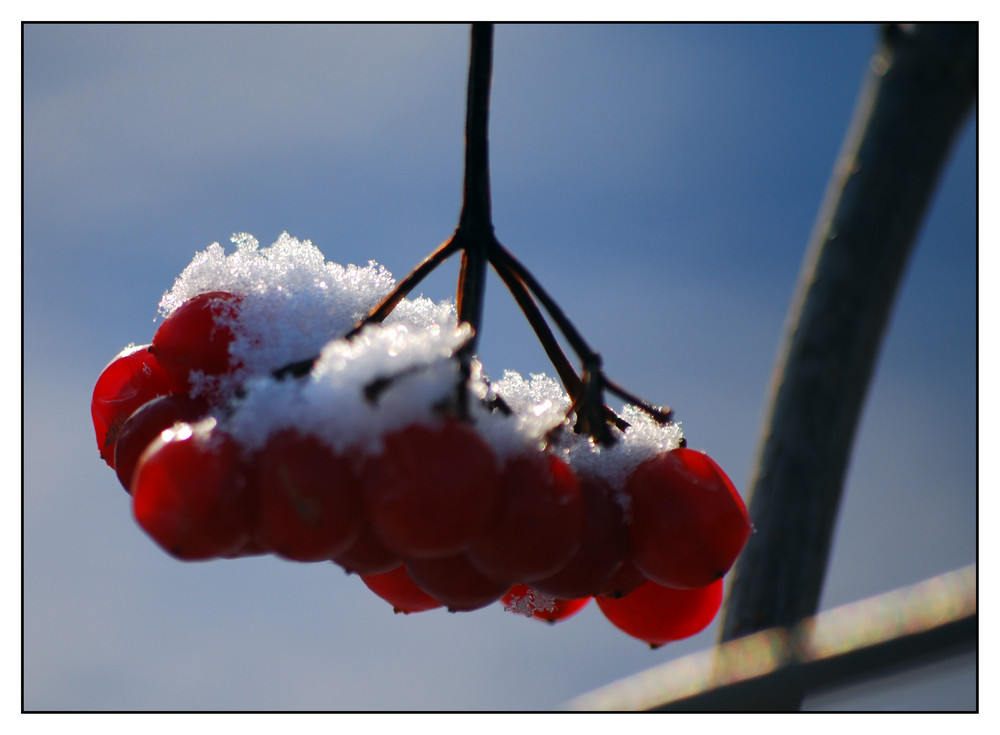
x=389, y=453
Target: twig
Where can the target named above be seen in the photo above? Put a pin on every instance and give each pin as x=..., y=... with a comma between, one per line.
x=570, y=380
x=403, y=288
x=475, y=238
x=475, y=225
x=500, y=257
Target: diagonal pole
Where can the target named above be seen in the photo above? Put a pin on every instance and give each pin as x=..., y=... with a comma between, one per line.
x=919, y=91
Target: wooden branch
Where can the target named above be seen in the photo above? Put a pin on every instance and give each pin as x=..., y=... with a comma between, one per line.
x=920, y=89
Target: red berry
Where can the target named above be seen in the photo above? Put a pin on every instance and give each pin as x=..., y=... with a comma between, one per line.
x=396, y=588
x=658, y=615
x=307, y=498
x=688, y=523
x=537, y=525
x=189, y=492
x=196, y=336
x=430, y=493
x=368, y=555
x=626, y=579
x=604, y=548
x=531, y=603
x=133, y=378
x=145, y=424
x=252, y=547
x=455, y=582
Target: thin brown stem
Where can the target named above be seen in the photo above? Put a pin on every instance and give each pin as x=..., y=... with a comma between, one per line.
x=476, y=213
x=571, y=381
x=500, y=256
x=475, y=226
x=659, y=415
x=475, y=238
x=404, y=287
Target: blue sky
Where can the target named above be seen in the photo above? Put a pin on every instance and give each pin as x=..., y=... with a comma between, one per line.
x=661, y=181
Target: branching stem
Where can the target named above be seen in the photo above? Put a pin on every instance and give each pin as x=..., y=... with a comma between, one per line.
x=403, y=288
x=474, y=237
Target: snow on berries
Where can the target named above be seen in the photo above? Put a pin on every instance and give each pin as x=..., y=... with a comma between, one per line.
x=271, y=414
x=529, y=602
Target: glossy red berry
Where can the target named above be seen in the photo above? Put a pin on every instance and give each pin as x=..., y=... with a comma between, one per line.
x=197, y=335
x=368, y=555
x=307, y=498
x=252, y=547
x=145, y=424
x=396, y=588
x=189, y=492
x=527, y=601
x=688, y=523
x=132, y=379
x=455, y=582
x=658, y=615
x=625, y=580
x=431, y=491
x=603, y=550
x=538, y=522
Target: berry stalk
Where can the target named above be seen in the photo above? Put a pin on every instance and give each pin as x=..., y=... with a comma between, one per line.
x=474, y=237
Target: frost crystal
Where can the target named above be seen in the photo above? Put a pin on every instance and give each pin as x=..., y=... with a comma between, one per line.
x=529, y=603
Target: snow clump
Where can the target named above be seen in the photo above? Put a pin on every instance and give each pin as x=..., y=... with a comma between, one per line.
x=296, y=307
